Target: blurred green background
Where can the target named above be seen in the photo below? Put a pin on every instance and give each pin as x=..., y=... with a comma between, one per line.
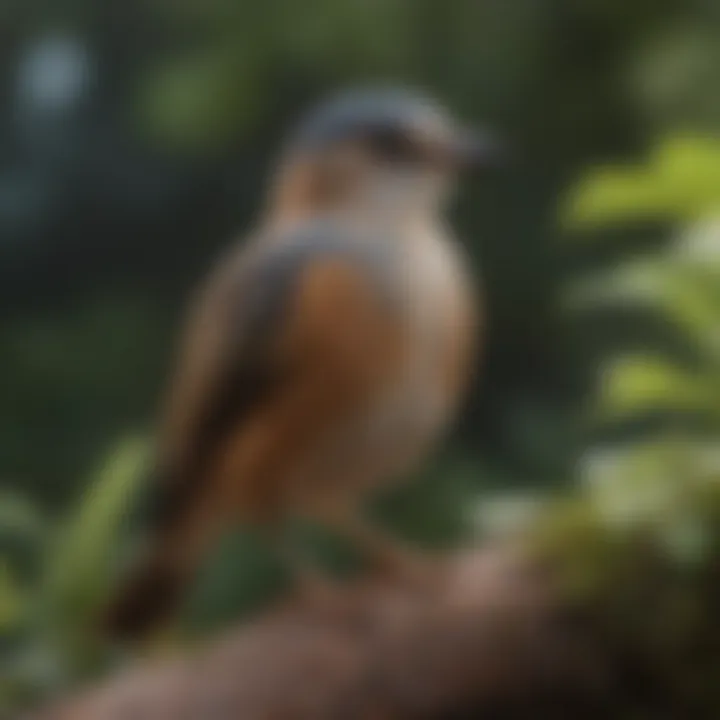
x=135, y=142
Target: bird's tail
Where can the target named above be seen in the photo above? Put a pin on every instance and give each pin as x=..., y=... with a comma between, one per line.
x=149, y=596
x=151, y=592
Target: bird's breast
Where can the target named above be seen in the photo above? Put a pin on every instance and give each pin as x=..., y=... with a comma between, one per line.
x=436, y=296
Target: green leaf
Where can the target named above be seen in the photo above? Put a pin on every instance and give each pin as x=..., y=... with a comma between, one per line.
x=678, y=285
x=650, y=481
x=636, y=385
x=80, y=563
x=681, y=181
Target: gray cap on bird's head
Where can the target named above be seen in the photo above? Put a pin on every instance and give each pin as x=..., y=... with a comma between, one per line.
x=396, y=124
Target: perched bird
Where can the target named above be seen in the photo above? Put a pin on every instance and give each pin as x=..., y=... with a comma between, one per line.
x=326, y=355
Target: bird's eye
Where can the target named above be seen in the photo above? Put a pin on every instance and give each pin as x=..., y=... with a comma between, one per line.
x=395, y=145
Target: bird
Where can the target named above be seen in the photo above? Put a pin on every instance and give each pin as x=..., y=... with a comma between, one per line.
x=327, y=353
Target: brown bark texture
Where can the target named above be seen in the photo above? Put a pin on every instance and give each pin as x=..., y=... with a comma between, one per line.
x=483, y=635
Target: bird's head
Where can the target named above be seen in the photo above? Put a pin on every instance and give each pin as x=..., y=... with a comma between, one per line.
x=383, y=151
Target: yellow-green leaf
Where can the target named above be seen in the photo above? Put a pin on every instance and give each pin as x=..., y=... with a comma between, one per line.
x=639, y=384
x=680, y=181
x=79, y=565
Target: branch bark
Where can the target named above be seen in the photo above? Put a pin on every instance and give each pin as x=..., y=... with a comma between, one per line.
x=575, y=624
x=482, y=635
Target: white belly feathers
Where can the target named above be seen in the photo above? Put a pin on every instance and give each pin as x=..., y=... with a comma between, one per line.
x=418, y=408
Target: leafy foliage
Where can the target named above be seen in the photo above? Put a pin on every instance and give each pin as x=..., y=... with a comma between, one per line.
x=46, y=624
x=659, y=478
x=680, y=284
x=680, y=181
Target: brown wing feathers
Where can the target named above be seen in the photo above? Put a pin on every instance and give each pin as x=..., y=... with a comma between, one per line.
x=280, y=349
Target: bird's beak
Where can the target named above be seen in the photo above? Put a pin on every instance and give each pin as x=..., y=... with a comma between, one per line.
x=475, y=151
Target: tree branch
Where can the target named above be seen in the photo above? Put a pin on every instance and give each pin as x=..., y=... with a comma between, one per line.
x=578, y=623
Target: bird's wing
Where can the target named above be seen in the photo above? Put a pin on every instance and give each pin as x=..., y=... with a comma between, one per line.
x=296, y=311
